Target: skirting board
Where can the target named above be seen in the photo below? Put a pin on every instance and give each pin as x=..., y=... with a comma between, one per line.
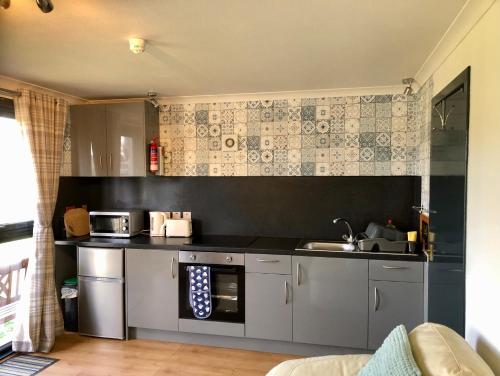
x=242, y=343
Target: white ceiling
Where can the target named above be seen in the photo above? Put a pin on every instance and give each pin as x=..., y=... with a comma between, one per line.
x=202, y=47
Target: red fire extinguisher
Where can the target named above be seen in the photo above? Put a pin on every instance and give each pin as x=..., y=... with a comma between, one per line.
x=153, y=155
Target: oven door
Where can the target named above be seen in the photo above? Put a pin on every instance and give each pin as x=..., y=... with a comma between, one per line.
x=228, y=293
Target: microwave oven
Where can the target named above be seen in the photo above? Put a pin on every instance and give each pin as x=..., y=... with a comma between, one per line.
x=118, y=223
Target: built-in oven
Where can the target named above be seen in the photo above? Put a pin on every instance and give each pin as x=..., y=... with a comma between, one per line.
x=226, y=272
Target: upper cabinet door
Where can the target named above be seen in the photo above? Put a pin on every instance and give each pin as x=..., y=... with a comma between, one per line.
x=88, y=140
x=126, y=145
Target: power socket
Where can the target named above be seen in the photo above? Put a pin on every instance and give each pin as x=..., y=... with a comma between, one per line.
x=176, y=215
x=186, y=215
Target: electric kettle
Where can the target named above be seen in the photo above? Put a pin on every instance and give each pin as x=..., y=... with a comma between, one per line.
x=157, y=223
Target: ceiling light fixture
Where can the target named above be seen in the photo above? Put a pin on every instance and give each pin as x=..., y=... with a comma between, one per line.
x=136, y=45
x=408, y=81
x=153, y=99
x=45, y=6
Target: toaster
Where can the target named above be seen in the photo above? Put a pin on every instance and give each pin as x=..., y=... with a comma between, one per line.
x=178, y=228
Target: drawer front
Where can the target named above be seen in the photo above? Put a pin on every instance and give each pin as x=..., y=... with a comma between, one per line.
x=404, y=271
x=264, y=263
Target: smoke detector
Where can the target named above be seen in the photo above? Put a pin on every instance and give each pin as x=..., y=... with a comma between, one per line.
x=136, y=45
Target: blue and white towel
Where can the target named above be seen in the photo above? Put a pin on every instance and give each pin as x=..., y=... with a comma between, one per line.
x=200, y=296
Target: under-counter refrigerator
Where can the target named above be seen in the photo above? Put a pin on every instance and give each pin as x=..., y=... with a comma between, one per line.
x=101, y=299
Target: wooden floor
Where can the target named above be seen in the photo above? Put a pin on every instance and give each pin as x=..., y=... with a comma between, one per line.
x=91, y=356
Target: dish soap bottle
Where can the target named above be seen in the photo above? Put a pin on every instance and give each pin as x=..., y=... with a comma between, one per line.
x=390, y=224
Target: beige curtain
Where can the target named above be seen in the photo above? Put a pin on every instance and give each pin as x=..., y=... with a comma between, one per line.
x=39, y=319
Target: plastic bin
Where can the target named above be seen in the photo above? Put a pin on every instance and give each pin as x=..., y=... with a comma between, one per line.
x=69, y=296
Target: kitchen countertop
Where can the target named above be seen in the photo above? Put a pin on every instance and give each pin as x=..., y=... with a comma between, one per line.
x=227, y=243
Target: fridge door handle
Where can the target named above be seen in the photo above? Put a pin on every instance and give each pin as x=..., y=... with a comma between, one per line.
x=101, y=279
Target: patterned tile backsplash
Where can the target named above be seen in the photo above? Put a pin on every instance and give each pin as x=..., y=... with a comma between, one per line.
x=424, y=122
x=350, y=135
x=66, y=155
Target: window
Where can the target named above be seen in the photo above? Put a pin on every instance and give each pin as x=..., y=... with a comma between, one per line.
x=17, y=208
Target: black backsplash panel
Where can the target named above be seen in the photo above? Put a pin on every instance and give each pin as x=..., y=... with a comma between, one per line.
x=258, y=206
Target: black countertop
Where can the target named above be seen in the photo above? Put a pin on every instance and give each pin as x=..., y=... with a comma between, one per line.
x=227, y=243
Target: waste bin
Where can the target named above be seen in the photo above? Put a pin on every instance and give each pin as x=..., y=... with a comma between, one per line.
x=69, y=296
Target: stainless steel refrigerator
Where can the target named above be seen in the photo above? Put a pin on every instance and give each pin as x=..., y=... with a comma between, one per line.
x=101, y=298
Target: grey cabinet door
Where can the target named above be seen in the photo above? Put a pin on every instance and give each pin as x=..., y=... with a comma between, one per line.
x=392, y=304
x=126, y=146
x=330, y=301
x=88, y=140
x=152, y=288
x=268, y=306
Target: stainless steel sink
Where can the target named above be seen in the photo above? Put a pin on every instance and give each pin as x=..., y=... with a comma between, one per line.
x=327, y=246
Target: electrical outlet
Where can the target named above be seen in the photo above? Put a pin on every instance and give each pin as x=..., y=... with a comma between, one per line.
x=168, y=214
x=186, y=215
x=176, y=215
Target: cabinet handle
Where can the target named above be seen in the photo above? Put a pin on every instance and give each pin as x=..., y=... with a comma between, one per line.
x=110, y=161
x=264, y=260
x=455, y=270
x=377, y=300
x=172, y=267
x=286, y=292
x=100, y=161
x=299, y=274
x=394, y=267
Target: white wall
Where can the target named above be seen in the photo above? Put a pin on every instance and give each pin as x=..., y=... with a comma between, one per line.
x=481, y=50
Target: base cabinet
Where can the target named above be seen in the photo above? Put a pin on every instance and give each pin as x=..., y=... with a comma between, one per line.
x=330, y=301
x=268, y=306
x=152, y=289
x=392, y=304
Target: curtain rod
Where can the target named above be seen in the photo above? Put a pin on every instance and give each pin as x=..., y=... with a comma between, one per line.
x=10, y=93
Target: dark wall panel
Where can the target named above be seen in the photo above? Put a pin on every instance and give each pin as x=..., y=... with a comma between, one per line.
x=257, y=206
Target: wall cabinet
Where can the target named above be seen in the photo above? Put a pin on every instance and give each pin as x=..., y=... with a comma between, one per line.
x=152, y=288
x=111, y=139
x=268, y=306
x=330, y=301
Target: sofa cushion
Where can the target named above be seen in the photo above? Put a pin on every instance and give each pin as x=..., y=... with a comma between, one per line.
x=332, y=365
x=393, y=358
x=438, y=350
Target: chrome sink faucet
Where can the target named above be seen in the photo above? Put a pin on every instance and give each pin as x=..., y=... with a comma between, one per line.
x=348, y=238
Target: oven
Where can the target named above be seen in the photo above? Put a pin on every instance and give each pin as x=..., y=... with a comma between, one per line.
x=227, y=285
